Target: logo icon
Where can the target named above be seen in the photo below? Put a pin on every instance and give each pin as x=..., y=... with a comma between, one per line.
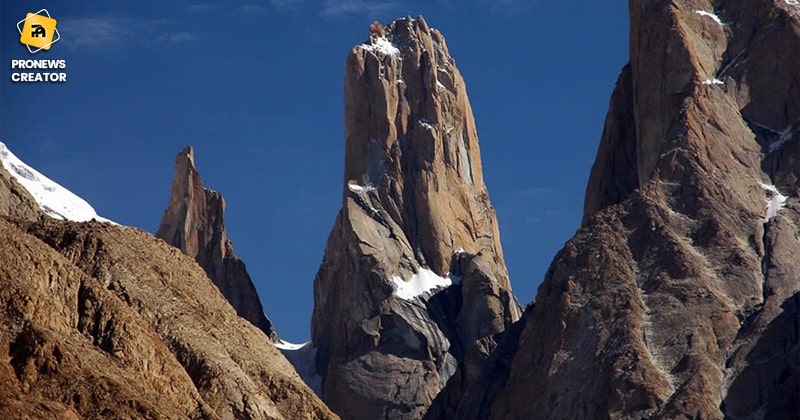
x=38, y=31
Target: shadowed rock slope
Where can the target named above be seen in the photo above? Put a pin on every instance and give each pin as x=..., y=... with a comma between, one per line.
x=678, y=297
x=413, y=272
x=194, y=223
x=107, y=321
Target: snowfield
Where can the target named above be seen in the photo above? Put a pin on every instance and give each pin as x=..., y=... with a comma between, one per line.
x=54, y=200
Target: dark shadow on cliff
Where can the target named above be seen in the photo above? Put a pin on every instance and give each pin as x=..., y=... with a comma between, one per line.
x=444, y=308
x=769, y=387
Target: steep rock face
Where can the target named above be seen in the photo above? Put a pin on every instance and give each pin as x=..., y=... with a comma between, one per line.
x=102, y=320
x=415, y=214
x=480, y=376
x=194, y=223
x=678, y=298
x=15, y=201
x=614, y=173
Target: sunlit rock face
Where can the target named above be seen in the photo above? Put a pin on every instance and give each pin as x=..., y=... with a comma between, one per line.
x=679, y=295
x=194, y=223
x=100, y=320
x=413, y=272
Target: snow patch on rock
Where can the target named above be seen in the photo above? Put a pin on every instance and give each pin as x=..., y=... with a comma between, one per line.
x=714, y=81
x=54, y=200
x=423, y=281
x=425, y=124
x=285, y=345
x=381, y=45
x=356, y=188
x=775, y=201
x=711, y=15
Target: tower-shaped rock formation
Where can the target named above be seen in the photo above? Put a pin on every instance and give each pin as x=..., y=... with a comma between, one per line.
x=194, y=223
x=413, y=273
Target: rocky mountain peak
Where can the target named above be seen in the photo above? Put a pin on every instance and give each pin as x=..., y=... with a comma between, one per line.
x=409, y=131
x=413, y=272
x=194, y=223
x=678, y=297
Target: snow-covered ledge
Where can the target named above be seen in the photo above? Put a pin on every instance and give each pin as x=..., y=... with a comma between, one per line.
x=423, y=281
x=54, y=200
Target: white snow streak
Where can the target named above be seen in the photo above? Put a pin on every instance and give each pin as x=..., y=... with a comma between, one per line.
x=709, y=14
x=54, y=200
x=352, y=186
x=425, y=280
x=713, y=82
x=285, y=345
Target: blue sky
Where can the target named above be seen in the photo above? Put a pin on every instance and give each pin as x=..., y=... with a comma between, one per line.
x=256, y=87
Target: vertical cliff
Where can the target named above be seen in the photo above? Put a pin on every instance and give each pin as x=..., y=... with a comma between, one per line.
x=413, y=271
x=678, y=297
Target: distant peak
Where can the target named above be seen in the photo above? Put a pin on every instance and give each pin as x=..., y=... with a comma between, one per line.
x=194, y=223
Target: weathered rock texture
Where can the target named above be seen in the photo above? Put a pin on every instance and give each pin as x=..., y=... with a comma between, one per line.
x=15, y=201
x=413, y=200
x=104, y=321
x=678, y=297
x=194, y=223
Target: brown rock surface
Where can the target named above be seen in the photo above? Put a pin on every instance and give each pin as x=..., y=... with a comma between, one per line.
x=106, y=321
x=414, y=207
x=678, y=297
x=103, y=321
x=194, y=223
x=15, y=201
